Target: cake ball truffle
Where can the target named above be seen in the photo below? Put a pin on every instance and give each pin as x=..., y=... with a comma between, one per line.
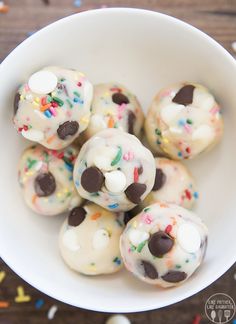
x=114, y=106
x=46, y=179
x=173, y=184
x=53, y=107
x=164, y=244
x=114, y=170
x=89, y=240
x=183, y=121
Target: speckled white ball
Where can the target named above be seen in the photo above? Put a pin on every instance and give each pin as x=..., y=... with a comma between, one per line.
x=89, y=240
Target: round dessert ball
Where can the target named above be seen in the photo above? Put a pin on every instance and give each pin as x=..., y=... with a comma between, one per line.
x=114, y=106
x=114, y=170
x=89, y=240
x=164, y=244
x=173, y=184
x=53, y=107
x=183, y=121
x=46, y=179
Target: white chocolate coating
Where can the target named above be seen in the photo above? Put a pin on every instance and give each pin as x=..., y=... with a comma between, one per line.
x=164, y=244
x=114, y=106
x=182, y=131
x=177, y=185
x=36, y=161
x=50, y=98
x=91, y=245
x=122, y=166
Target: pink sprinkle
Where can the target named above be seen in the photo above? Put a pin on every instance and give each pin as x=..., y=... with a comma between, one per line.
x=68, y=114
x=214, y=110
x=166, y=93
x=128, y=156
x=147, y=219
x=188, y=128
x=27, y=88
x=53, y=111
x=121, y=108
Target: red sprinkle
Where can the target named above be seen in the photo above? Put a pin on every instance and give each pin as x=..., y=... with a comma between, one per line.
x=25, y=127
x=136, y=175
x=115, y=89
x=60, y=155
x=197, y=319
x=79, y=84
x=168, y=229
x=20, y=129
x=188, y=150
x=188, y=194
x=43, y=101
x=54, y=104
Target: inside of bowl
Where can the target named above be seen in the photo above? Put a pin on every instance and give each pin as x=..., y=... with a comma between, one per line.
x=145, y=51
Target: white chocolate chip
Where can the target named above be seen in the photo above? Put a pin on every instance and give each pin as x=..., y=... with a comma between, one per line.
x=100, y=239
x=104, y=158
x=97, y=121
x=69, y=239
x=38, y=165
x=118, y=319
x=189, y=238
x=33, y=135
x=136, y=236
x=115, y=181
x=203, y=99
x=169, y=113
x=204, y=133
x=42, y=82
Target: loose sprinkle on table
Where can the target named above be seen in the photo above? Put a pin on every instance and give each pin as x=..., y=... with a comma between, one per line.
x=39, y=303
x=2, y=276
x=21, y=297
x=197, y=319
x=77, y=3
x=4, y=304
x=3, y=8
x=52, y=311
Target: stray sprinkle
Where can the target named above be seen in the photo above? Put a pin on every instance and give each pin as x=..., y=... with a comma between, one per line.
x=52, y=311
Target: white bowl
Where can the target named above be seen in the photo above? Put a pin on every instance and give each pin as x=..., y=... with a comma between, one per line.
x=145, y=51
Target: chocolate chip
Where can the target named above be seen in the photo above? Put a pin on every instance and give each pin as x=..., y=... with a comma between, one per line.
x=160, y=180
x=135, y=191
x=185, y=95
x=149, y=270
x=44, y=184
x=160, y=243
x=16, y=102
x=68, y=128
x=174, y=276
x=127, y=217
x=131, y=121
x=119, y=98
x=92, y=179
x=76, y=216
x=140, y=170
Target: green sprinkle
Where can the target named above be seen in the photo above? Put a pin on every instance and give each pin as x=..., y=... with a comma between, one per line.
x=46, y=156
x=31, y=163
x=76, y=94
x=49, y=99
x=146, y=209
x=119, y=222
x=69, y=103
x=141, y=246
x=95, y=194
x=187, y=260
x=62, y=79
x=117, y=157
x=68, y=194
x=133, y=248
x=116, y=125
x=189, y=121
x=178, y=266
x=58, y=100
x=158, y=132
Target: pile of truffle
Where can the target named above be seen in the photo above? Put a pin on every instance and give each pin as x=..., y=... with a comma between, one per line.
x=123, y=205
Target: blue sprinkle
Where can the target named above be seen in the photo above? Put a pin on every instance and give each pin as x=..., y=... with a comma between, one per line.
x=196, y=195
x=69, y=166
x=76, y=99
x=77, y=183
x=234, y=321
x=113, y=206
x=117, y=261
x=181, y=122
x=71, y=178
x=47, y=114
x=77, y=3
x=179, y=154
x=39, y=303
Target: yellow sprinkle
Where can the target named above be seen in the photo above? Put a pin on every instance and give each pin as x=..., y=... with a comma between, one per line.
x=165, y=140
x=59, y=194
x=37, y=99
x=35, y=103
x=106, y=94
x=22, y=97
x=66, y=190
x=29, y=173
x=109, y=231
x=21, y=297
x=84, y=120
x=81, y=74
x=134, y=224
x=109, y=112
x=2, y=275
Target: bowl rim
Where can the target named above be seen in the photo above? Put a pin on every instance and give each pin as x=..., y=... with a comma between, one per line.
x=131, y=11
